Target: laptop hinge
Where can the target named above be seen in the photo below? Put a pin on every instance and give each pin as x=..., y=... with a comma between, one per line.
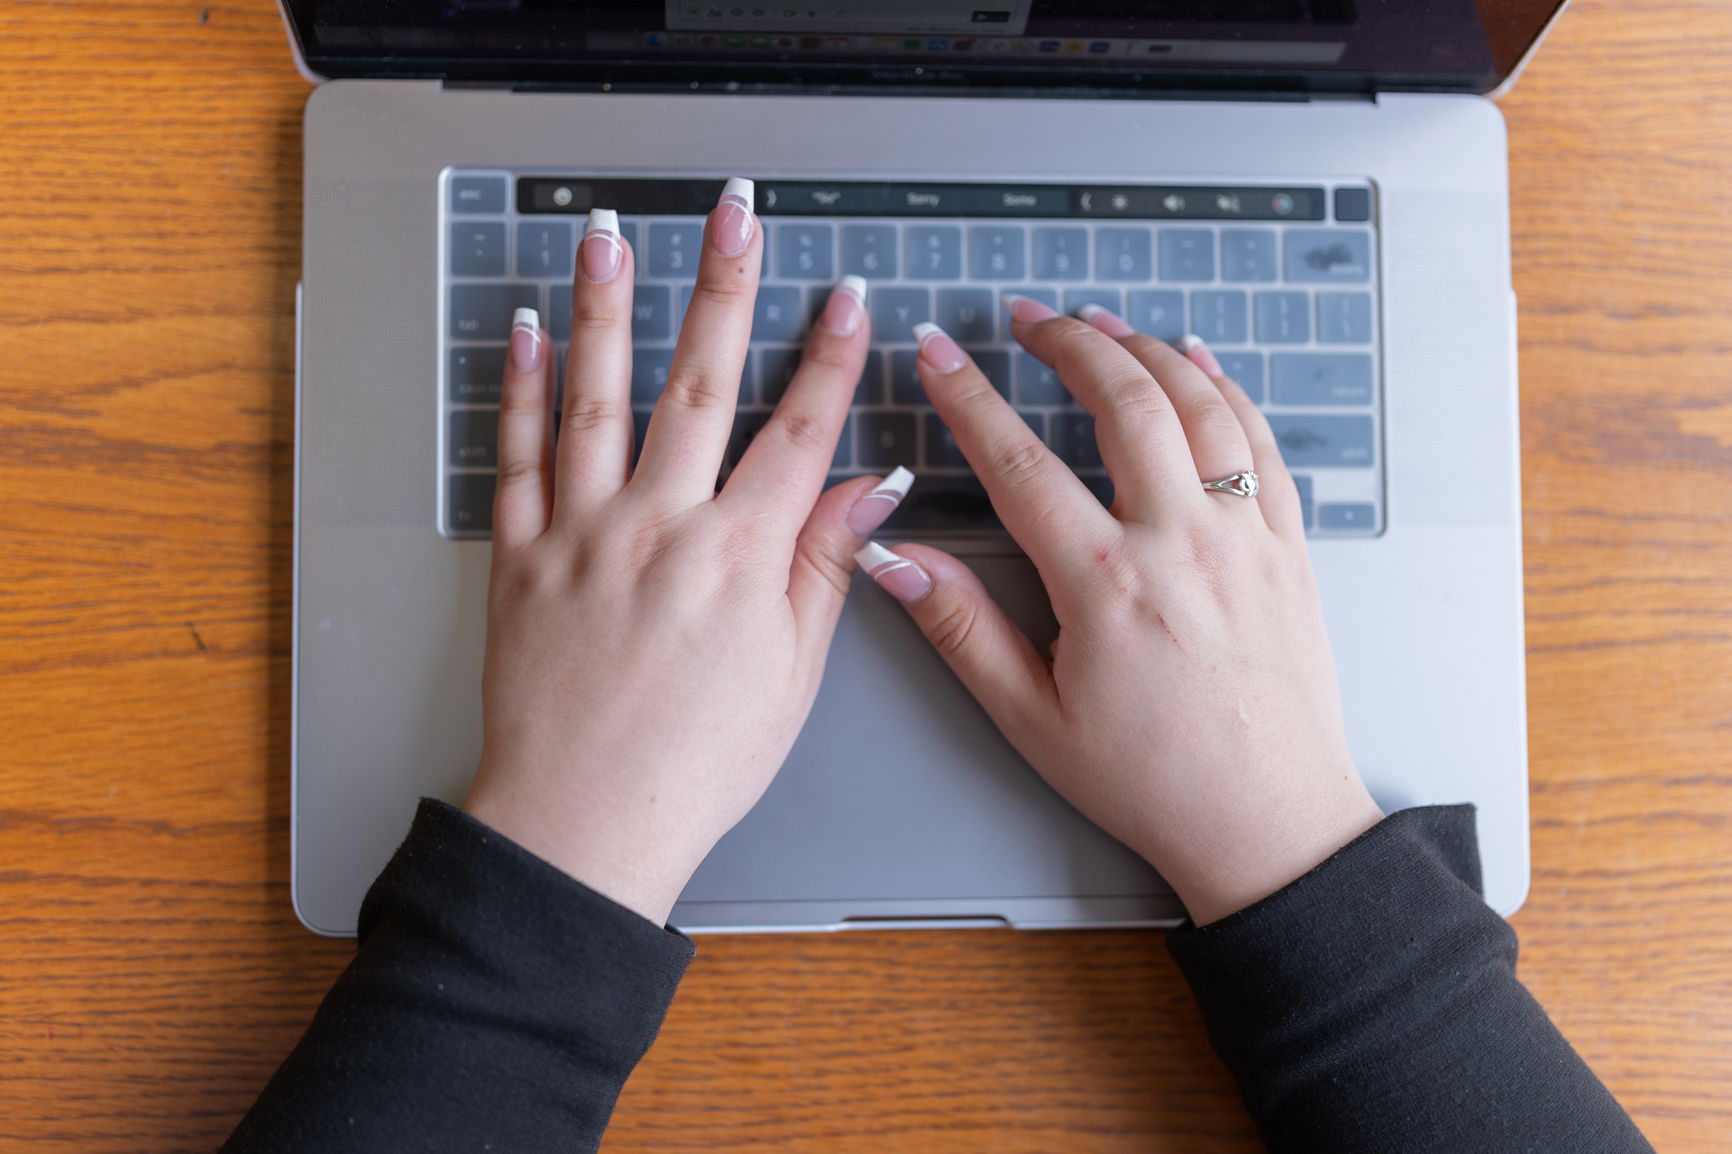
x=731, y=88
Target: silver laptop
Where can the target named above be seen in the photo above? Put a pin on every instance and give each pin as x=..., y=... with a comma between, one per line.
x=1317, y=187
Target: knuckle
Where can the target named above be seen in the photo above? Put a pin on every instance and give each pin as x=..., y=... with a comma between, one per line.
x=1021, y=462
x=950, y=629
x=520, y=472
x=721, y=292
x=803, y=432
x=829, y=569
x=586, y=414
x=695, y=390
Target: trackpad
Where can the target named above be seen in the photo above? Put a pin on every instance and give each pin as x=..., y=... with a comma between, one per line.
x=901, y=788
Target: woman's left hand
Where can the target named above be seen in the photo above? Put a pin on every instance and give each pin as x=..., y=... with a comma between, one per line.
x=653, y=645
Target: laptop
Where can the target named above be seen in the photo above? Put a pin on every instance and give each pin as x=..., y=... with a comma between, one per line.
x=1318, y=188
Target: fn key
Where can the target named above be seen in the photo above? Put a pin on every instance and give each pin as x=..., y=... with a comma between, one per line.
x=469, y=503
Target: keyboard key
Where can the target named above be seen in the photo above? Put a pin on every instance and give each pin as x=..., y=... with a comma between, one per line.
x=652, y=309
x=997, y=253
x=1220, y=317
x=1324, y=442
x=483, y=311
x=1248, y=254
x=895, y=312
x=480, y=194
x=934, y=252
x=469, y=502
x=1061, y=254
x=1046, y=296
x=970, y=315
x=748, y=423
x=905, y=386
x=1123, y=254
x=1073, y=439
x=1303, y=484
x=941, y=450
x=673, y=249
x=649, y=373
x=1344, y=318
x=843, y=457
x=1283, y=318
x=885, y=440
x=685, y=295
x=478, y=248
x=640, y=419
x=544, y=248
x=869, y=250
x=1246, y=369
x=778, y=315
x=1321, y=378
x=776, y=367
x=1035, y=420
x=1036, y=384
x=1159, y=313
x=1187, y=254
x=806, y=251
x=1328, y=254
x=558, y=318
x=473, y=375
x=1347, y=517
x=870, y=390
x=1108, y=299
x=1352, y=204
x=994, y=365
x=472, y=438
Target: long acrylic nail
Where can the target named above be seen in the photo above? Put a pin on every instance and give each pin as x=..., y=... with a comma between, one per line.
x=601, y=251
x=937, y=349
x=526, y=342
x=1105, y=320
x=900, y=577
x=876, y=504
x=1026, y=309
x=733, y=220
x=1192, y=346
x=845, y=308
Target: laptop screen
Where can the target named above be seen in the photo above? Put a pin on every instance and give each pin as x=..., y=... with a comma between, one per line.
x=1088, y=47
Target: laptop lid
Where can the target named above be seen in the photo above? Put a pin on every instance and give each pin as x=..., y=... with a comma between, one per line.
x=1275, y=48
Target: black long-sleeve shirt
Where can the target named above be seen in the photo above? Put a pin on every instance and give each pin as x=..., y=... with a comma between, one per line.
x=1372, y=1005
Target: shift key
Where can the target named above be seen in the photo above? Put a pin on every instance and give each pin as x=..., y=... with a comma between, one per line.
x=1324, y=442
x=1321, y=378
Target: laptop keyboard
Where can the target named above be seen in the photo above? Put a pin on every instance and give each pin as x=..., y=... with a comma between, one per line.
x=1280, y=281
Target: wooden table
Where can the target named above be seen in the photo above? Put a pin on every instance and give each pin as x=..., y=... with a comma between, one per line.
x=151, y=973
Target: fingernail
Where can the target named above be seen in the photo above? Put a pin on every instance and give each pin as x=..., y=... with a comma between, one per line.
x=601, y=251
x=1105, y=320
x=1192, y=346
x=1026, y=308
x=900, y=577
x=846, y=306
x=526, y=343
x=733, y=220
x=874, y=506
x=938, y=349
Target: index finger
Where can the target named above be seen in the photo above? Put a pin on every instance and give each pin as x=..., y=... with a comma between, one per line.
x=1050, y=512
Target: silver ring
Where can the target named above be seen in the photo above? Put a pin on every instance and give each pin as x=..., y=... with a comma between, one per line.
x=1239, y=484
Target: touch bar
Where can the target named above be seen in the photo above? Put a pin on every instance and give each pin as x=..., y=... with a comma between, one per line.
x=545, y=194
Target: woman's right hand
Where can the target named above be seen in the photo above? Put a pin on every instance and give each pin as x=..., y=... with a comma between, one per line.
x=1189, y=705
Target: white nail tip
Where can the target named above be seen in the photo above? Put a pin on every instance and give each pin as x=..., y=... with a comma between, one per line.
x=1011, y=300
x=526, y=317
x=602, y=220
x=872, y=556
x=1190, y=341
x=854, y=286
x=740, y=188
x=1090, y=311
x=925, y=330
x=895, y=486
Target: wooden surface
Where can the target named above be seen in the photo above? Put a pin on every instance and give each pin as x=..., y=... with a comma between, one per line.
x=151, y=973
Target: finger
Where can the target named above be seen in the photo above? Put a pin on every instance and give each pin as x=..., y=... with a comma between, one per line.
x=1142, y=443
x=1052, y=515
x=595, y=432
x=1277, y=495
x=823, y=562
x=688, y=432
x=524, y=493
x=783, y=470
x=993, y=658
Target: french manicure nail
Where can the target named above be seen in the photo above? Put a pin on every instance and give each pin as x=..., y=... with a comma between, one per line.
x=1105, y=320
x=601, y=251
x=847, y=304
x=1192, y=346
x=526, y=343
x=1026, y=308
x=876, y=505
x=937, y=349
x=900, y=577
x=733, y=220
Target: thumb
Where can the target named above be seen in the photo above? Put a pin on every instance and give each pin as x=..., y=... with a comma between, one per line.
x=992, y=657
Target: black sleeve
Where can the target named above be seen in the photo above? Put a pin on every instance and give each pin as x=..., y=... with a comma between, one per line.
x=1372, y=1006
x=494, y=1004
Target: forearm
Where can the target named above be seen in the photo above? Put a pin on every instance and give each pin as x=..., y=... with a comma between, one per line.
x=492, y=1000
x=1373, y=1005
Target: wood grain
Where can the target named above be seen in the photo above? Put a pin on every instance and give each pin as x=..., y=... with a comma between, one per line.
x=151, y=974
